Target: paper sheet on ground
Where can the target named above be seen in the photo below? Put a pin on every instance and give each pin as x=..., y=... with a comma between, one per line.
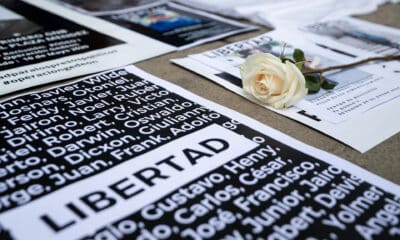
x=38, y=47
x=361, y=39
x=367, y=92
x=288, y=12
x=125, y=155
x=167, y=22
x=42, y=42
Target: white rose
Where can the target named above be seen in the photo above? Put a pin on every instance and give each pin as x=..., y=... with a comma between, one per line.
x=272, y=82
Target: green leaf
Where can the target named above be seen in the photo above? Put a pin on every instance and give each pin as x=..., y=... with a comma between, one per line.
x=312, y=84
x=328, y=85
x=300, y=65
x=298, y=55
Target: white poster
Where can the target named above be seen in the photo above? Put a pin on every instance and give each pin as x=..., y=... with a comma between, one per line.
x=367, y=92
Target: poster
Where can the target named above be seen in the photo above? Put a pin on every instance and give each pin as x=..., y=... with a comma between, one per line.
x=363, y=37
x=125, y=155
x=286, y=13
x=169, y=23
x=38, y=47
x=92, y=7
x=367, y=92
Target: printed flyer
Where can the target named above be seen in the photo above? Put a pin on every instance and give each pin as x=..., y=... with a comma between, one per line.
x=370, y=91
x=90, y=7
x=169, y=23
x=125, y=155
x=362, y=36
x=38, y=47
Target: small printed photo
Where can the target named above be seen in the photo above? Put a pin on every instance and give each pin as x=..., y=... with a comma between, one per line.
x=342, y=79
x=105, y=5
x=14, y=25
x=159, y=19
x=356, y=36
x=274, y=47
x=236, y=58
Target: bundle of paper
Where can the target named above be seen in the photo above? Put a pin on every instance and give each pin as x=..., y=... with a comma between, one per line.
x=366, y=92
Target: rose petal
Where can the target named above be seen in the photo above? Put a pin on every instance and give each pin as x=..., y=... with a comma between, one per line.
x=272, y=82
